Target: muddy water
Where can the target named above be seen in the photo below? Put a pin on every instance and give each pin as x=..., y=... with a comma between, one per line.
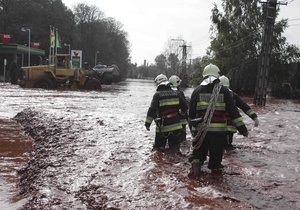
x=14, y=148
x=91, y=151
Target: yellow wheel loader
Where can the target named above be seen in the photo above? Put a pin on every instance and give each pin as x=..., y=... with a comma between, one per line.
x=59, y=75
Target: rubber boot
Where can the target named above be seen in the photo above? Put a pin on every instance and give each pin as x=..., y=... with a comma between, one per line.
x=196, y=167
x=217, y=171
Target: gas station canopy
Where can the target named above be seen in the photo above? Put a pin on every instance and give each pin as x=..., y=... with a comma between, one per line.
x=19, y=49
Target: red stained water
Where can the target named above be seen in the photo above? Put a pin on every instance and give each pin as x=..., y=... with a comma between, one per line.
x=91, y=150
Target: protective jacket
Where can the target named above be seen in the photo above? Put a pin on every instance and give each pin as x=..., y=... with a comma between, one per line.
x=184, y=117
x=244, y=107
x=169, y=106
x=199, y=103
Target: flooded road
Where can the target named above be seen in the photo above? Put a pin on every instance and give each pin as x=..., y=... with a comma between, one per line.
x=90, y=150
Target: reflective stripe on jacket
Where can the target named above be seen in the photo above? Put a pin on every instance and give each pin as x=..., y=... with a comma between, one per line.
x=199, y=102
x=165, y=105
x=244, y=107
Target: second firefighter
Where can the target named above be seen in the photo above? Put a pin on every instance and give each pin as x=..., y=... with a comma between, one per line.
x=166, y=109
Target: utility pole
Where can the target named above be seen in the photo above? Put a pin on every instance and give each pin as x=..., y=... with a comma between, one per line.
x=264, y=64
x=178, y=40
x=183, y=74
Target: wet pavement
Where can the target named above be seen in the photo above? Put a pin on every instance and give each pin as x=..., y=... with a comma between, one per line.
x=90, y=150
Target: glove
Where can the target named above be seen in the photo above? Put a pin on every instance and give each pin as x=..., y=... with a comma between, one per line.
x=256, y=122
x=148, y=128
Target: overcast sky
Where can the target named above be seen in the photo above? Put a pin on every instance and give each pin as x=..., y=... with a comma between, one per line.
x=151, y=23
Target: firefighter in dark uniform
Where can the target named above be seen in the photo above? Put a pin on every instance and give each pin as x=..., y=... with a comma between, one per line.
x=166, y=109
x=243, y=106
x=13, y=70
x=175, y=83
x=215, y=137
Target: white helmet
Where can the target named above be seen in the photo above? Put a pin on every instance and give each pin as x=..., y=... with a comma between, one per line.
x=160, y=78
x=175, y=80
x=224, y=81
x=211, y=70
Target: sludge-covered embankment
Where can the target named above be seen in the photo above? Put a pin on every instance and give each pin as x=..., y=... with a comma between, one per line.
x=47, y=175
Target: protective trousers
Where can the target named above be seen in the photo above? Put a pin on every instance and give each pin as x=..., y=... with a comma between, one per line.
x=173, y=138
x=214, y=143
x=229, y=138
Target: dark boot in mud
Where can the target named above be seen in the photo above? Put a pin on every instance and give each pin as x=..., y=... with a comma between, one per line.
x=159, y=149
x=196, y=167
x=175, y=150
x=229, y=147
x=217, y=171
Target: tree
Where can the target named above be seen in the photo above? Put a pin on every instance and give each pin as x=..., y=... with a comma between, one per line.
x=37, y=16
x=237, y=42
x=160, y=62
x=118, y=44
x=85, y=28
x=132, y=71
x=88, y=24
x=173, y=51
x=236, y=46
x=103, y=35
x=198, y=66
x=173, y=63
x=148, y=71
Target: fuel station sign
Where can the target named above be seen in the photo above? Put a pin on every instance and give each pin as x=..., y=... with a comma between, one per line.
x=5, y=38
x=76, y=58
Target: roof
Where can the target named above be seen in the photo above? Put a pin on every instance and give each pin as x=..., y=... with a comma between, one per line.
x=19, y=49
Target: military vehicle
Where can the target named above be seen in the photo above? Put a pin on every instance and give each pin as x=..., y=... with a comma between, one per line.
x=109, y=74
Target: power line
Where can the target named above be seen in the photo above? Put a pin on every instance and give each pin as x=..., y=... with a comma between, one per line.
x=207, y=37
x=203, y=42
x=201, y=38
x=290, y=1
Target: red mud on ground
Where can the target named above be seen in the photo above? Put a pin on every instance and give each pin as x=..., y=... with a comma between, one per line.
x=14, y=148
x=91, y=151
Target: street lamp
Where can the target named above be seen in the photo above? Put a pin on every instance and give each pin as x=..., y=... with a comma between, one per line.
x=24, y=30
x=68, y=45
x=96, y=53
